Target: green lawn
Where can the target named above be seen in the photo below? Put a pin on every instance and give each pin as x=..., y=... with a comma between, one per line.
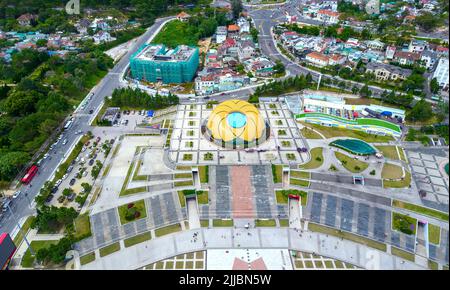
x=284, y=222
x=277, y=173
x=222, y=223
x=138, y=205
x=204, y=223
x=422, y=210
x=137, y=239
x=405, y=182
x=391, y=171
x=299, y=182
x=176, y=33
x=202, y=197
x=181, y=198
x=109, y=249
x=300, y=174
x=434, y=234
x=24, y=229
x=330, y=132
x=282, y=196
x=28, y=259
x=309, y=133
x=347, y=236
x=183, y=175
x=350, y=163
x=183, y=183
x=402, y=155
x=168, y=230
x=404, y=223
x=402, y=254
x=389, y=151
x=316, y=159
x=432, y=265
x=203, y=171
x=87, y=258
x=82, y=225
x=265, y=223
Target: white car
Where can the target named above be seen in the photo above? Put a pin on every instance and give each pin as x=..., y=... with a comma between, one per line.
x=58, y=183
x=16, y=194
x=65, y=176
x=65, y=142
x=45, y=156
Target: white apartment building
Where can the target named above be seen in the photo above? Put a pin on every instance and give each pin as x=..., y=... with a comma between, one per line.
x=441, y=73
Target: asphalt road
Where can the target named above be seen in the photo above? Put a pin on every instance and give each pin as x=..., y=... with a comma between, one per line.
x=22, y=206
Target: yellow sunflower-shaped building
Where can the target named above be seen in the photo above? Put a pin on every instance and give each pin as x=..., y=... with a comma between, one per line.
x=236, y=123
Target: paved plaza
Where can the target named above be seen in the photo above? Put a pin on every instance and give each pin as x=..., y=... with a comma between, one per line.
x=429, y=175
x=188, y=140
x=357, y=217
x=161, y=209
x=253, y=194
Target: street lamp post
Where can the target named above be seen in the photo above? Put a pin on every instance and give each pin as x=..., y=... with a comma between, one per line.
x=20, y=228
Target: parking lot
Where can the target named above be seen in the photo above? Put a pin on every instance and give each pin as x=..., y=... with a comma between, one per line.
x=79, y=173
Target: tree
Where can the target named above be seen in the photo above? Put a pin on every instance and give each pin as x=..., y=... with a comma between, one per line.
x=279, y=67
x=427, y=21
x=434, y=86
x=236, y=8
x=421, y=111
x=11, y=162
x=365, y=92
x=41, y=42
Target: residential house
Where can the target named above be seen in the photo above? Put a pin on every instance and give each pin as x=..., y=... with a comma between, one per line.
x=183, y=17
x=337, y=59
x=221, y=34
x=387, y=72
x=244, y=25
x=317, y=59
x=375, y=44
x=26, y=19
x=417, y=46
x=246, y=50
x=429, y=58
x=390, y=52
x=102, y=36
x=328, y=16
x=373, y=7
x=260, y=66
x=233, y=31
x=406, y=58
x=83, y=26
x=330, y=5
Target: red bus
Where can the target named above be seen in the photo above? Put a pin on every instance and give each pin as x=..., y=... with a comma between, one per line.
x=30, y=174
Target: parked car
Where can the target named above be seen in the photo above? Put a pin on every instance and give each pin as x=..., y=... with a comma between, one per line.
x=65, y=142
x=71, y=197
x=72, y=181
x=91, y=111
x=49, y=198
x=58, y=182
x=61, y=199
x=16, y=194
x=91, y=162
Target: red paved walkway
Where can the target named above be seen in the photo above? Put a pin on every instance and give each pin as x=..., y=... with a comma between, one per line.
x=242, y=192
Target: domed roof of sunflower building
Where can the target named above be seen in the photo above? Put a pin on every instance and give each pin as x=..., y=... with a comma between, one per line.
x=236, y=121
